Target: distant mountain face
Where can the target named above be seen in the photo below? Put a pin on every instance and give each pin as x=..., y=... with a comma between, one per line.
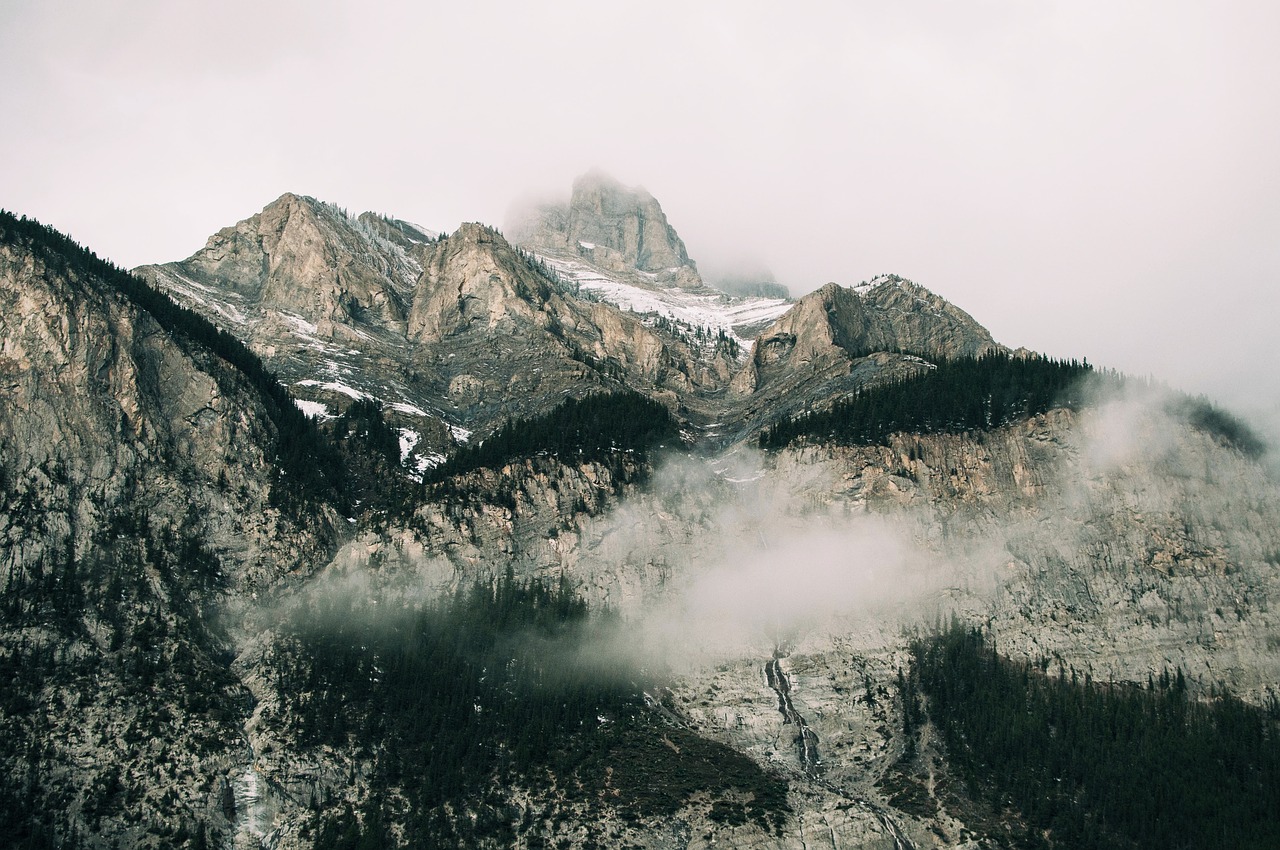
x=209, y=649
x=346, y=307
x=614, y=227
x=353, y=307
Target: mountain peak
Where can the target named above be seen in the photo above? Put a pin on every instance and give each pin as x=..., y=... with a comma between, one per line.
x=599, y=179
x=612, y=225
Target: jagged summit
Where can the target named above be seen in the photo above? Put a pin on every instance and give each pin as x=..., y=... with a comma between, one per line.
x=203, y=646
x=615, y=227
x=838, y=338
x=452, y=334
x=347, y=307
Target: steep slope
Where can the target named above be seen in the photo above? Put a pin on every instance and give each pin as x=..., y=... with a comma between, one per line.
x=612, y=226
x=136, y=482
x=837, y=339
x=754, y=689
x=369, y=307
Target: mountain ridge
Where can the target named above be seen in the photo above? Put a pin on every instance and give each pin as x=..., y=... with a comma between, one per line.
x=1111, y=539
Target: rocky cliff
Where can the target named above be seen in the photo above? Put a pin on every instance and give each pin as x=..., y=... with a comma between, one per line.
x=160, y=577
x=613, y=226
x=347, y=308
x=136, y=520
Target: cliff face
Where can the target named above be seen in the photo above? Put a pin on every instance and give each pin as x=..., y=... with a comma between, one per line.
x=369, y=307
x=147, y=572
x=838, y=325
x=1117, y=542
x=615, y=227
x=135, y=517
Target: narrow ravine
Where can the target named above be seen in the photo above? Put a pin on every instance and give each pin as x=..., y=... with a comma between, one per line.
x=251, y=823
x=806, y=740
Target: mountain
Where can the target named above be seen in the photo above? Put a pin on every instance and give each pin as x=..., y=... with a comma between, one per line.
x=614, y=227
x=525, y=579
x=346, y=308
x=141, y=515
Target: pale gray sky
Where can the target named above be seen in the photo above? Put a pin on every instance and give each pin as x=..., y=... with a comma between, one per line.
x=1086, y=178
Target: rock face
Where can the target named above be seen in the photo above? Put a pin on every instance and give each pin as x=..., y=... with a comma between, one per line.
x=614, y=227
x=145, y=562
x=307, y=257
x=348, y=307
x=837, y=339
x=134, y=508
x=888, y=315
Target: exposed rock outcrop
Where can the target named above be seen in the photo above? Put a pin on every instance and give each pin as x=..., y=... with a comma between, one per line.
x=139, y=537
x=135, y=518
x=613, y=226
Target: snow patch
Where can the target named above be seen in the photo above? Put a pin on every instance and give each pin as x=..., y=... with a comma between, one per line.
x=313, y=409
x=408, y=409
x=712, y=311
x=408, y=439
x=300, y=325
x=333, y=387
x=459, y=433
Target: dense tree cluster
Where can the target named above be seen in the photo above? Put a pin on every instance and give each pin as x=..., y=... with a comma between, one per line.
x=1089, y=765
x=578, y=429
x=962, y=394
x=502, y=681
x=363, y=421
x=308, y=467
x=128, y=614
x=1202, y=415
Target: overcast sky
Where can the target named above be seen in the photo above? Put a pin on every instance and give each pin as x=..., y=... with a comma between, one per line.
x=1093, y=179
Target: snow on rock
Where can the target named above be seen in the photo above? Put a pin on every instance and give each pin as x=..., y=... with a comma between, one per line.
x=408, y=439
x=407, y=409
x=313, y=409
x=713, y=311
x=334, y=387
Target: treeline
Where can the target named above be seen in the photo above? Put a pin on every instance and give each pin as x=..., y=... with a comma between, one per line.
x=578, y=429
x=962, y=394
x=363, y=422
x=308, y=467
x=1202, y=415
x=1090, y=765
x=500, y=682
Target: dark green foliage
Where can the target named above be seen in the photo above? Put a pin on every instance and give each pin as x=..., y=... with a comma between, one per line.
x=80, y=629
x=362, y=421
x=307, y=466
x=965, y=394
x=1217, y=423
x=1107, y=766
x=579, y=429
x=497, y=683
x=696, y=335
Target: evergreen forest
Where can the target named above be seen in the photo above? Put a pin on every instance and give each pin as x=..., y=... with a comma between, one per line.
x=503, y=684
x=987, y=392
x=593, y=428
x=961, y=394
x=1092, y=765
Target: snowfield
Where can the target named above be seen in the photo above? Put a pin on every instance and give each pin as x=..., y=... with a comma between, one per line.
x=707, y=309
